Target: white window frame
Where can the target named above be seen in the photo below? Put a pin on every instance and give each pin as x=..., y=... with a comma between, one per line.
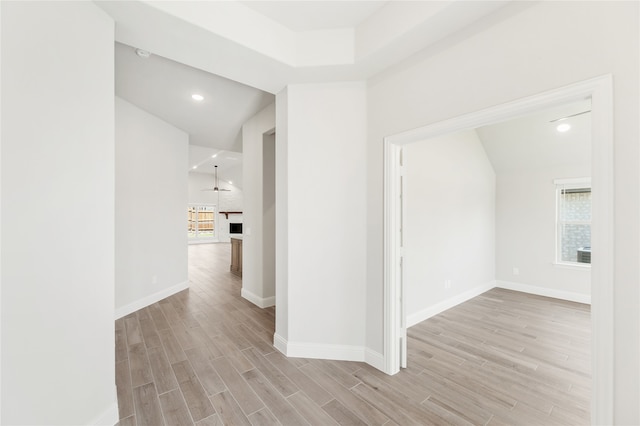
x=197, y=239
x=563, y=184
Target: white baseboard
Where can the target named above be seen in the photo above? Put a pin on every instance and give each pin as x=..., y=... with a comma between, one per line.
x=374, y=359
x=325, y=351
x=280, y=343
x=191, y=242
x=547, y=292
x=336, y=352
x=427, y=313
x=322, y=351
x=150, y=300
x=109, y=417
x=261, y=302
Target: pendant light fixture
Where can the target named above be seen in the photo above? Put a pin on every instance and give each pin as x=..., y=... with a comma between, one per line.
x=216, y=187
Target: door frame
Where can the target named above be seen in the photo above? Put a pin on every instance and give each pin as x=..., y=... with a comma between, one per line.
x=600, y=90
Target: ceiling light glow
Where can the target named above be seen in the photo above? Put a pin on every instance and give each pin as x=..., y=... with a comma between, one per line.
x=214, y=155
x=563, y=127
x=144, y=54
x=197, y=97
x=194, y=167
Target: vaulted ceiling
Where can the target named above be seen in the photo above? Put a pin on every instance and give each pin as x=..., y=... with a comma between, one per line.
x=164, y=87
x=533, y=141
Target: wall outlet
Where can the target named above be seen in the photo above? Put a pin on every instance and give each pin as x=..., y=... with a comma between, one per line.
x=516, y=271
x=447, y=284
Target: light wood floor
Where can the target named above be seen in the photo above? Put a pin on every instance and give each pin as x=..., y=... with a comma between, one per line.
x=205, y=356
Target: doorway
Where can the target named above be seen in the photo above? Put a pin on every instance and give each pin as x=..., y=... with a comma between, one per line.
x=599, y=90
x=269, y=212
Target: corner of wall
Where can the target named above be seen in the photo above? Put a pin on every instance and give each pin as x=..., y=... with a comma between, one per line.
x=374, y=359
x=326, y=351
x=261, y=302
x=433, y=310
x=545, y=291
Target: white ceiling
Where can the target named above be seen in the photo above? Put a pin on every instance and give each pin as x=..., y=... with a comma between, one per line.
x=233, y=40
x=533, y=142
x=229, y=163
x=268, y=45
x=316, y=15
x=163, y=88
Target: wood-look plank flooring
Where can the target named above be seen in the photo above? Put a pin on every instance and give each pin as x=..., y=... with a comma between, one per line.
x=204, y=356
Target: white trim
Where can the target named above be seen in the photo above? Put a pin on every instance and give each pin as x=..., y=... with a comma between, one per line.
x=204, y=241
x=600, y=90
x=109, y=417
x=261, y=302
x=393, y=331
x=215, y=237
x=573, y=181
x=602, y=266
x=573, y=265
x=374, y=359
x=561, y=185
x=319, y=350
x=323, y=351
x=150, y=300
x=280, y=343
x=433, y=310
x=545, y=291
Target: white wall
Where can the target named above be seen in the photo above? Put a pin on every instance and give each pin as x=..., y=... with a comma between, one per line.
x=526, y=239
x=254, y=286
x=526, y=49
x=230, y=201
x=58, y=364
x=320, y=142
x=528, y=153
x=151, y=200
x=449, y=233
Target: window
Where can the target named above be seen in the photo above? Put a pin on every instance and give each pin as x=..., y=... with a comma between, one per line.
x=573, y=221
x=201, y=222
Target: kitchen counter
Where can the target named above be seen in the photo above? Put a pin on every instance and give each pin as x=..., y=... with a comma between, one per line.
x=236, y=255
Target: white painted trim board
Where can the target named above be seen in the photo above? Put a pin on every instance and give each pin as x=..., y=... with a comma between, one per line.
x=545, y=291
x=261, y=302
x=150, y=299
x=328, y=351
x=433, y=310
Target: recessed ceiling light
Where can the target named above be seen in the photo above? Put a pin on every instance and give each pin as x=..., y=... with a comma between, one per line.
x=214, y=155
x=230, y=183
x=194, y=167
x=563, y=127
x=144, y=54
x=197, y=97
